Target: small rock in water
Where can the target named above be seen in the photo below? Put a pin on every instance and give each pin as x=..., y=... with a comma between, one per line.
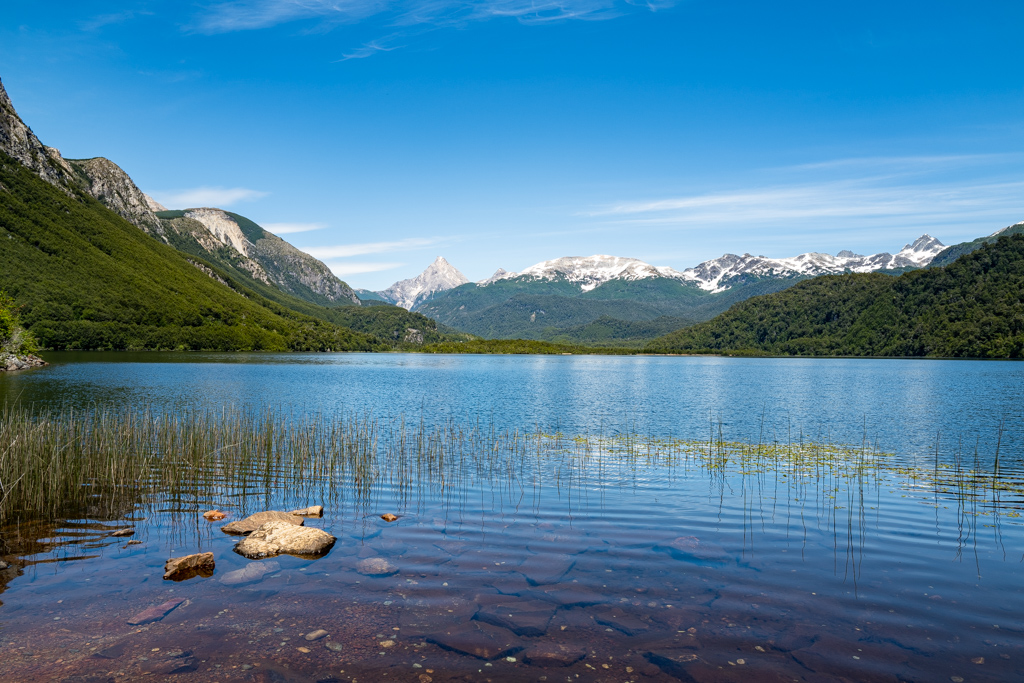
x=255, y=521
x=698, y=549
x=388, y=517
x=554, y=654
x=214, y=515
x=3, y=565
x=155, y=613
x=333, y=646
x=315, y=635
x=251, y=573
x=376, y=566
x=127, y=531
x=311, y=511
x=183, y=568
x=172, y=663
x=274, y=538
x=131, y=543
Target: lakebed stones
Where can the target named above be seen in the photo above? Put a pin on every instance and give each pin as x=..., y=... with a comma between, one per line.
x=693, y=547
x=552, y=655
x=376, y=566
x=255, y=521
x=477, y=639
x=544, y=569
x=184, y=568
x=251, y=573
x=277, y=537
x=311, y=511
x=173, y=662
x=155, y=613
x=522, y=617
x=316, y=635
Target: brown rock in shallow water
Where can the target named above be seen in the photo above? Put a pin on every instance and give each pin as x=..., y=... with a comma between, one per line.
x=477, y=640
x=274, y=538
x=214, y=515
x=120, y=533
x=522, y=617
x=254, y=522
x=553, y=654
x=388, y=517
x=311, y=511
x=182, y=568
x=376, y=566
x=155, y=613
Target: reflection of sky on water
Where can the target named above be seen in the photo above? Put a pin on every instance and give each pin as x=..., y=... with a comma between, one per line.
x=902, y=404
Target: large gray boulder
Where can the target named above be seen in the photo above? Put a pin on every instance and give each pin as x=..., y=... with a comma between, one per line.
x=254, y=522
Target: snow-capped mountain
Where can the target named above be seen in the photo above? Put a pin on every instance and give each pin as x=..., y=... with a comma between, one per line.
x=438, y=277
x=719, y=274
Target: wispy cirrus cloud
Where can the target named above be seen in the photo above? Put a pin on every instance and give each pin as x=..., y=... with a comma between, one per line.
x=292, y=228
x=368, y=50
x=855, y=192
x=243, y=15
x=219, y=197
x=348, y=250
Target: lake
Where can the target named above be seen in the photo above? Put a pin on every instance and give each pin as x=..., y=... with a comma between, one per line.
x=605, y=519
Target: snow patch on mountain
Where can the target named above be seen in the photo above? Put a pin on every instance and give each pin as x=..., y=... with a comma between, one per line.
x=718, y=275
x=438, y=277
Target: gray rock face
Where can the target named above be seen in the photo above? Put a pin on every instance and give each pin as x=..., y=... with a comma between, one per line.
x=255, y=521
x=311, y=511
x=107, y=182
x=18, y=140
x=275, y=538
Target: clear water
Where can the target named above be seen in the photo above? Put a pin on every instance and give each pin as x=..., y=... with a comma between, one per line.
x=617, y=569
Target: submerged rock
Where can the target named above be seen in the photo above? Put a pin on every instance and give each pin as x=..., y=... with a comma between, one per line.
x=183, y=568
x=376, y=566
x=214, y=515
x=546, y=568
x=522, y=617
x=316, y=635
x=477, y=640
x=254, y=522
x=175, y=662
x=155, y=613
x=120, y=533
x=277, y=537
x=388, y=517
x=311, y=511
x=553, y=654
x=251, y=573
x=698, y=549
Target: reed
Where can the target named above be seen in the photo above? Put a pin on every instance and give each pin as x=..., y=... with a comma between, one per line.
x=60, y=463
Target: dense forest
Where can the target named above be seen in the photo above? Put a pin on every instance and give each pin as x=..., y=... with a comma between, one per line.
x=971, y=308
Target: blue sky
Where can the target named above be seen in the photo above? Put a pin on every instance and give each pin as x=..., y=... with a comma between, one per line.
x=499, y=133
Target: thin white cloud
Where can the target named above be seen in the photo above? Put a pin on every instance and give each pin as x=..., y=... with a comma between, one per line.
x=219, y=197
x=367, y=50
x=291, y=228
x=348, y=250
x=243, y=15
x=857, y=202
x=345, y=268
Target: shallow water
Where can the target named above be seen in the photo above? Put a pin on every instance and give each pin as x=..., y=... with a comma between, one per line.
x=594, y=562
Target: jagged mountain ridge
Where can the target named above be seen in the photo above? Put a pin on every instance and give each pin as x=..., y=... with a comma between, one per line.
x=439, y=276
x=718, y=275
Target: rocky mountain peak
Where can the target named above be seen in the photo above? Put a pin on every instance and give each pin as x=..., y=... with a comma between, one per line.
x=18, y=141
x=438, y=277
x=222, y=226
x=107, y=182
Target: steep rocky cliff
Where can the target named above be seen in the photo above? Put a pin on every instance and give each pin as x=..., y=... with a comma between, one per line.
x=233, y=240
x=99, y=177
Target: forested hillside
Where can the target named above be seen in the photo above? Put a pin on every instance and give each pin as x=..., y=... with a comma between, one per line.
x=86, y=278
x=971, y=308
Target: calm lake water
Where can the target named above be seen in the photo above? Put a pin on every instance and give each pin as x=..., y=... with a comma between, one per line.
x=899, y=559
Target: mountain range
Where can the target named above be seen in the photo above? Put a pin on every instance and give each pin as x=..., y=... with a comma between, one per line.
x=611, y=300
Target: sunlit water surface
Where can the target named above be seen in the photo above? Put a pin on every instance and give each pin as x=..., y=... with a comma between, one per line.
x=896, y=560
